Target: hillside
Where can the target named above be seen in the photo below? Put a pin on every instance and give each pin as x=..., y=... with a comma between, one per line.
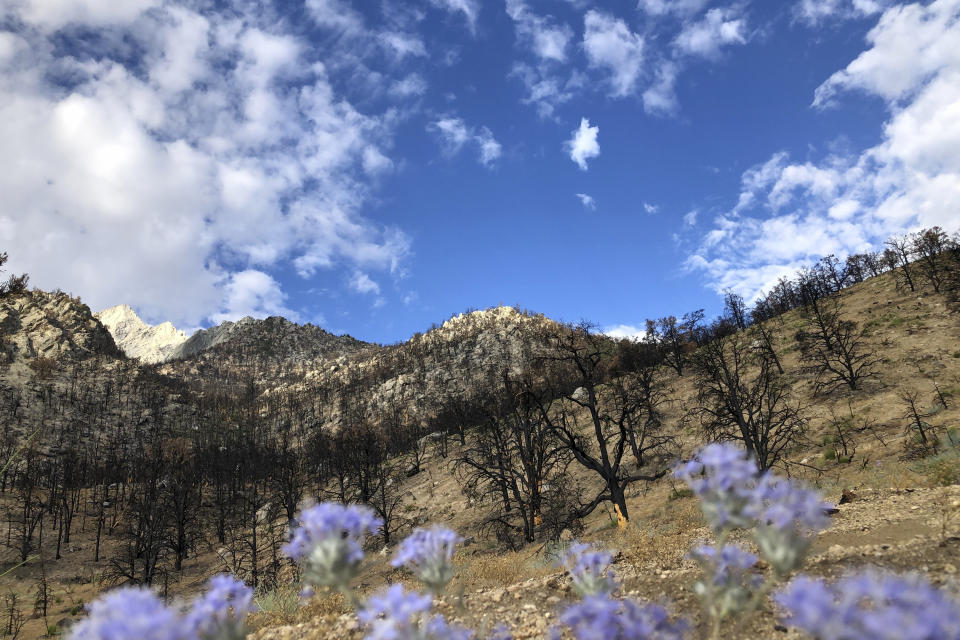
x=320, y=403
x=51, y=325
x=895, y=510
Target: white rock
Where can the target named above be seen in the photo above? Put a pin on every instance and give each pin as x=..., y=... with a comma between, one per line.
x=147, y=343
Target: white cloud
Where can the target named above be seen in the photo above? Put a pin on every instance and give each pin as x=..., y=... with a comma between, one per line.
x=677, y=7
x=909, y=45
x=223, y=150
x=336, y=14
x=408, y=86
x=454, y=134
x=621, y=331
x=543, y=35
x=253, y=293
x=609, y=44
x=53, y=15
x=469, y=8
x=587, y=201
x=650, y=208
x=850, y=203
x=362, y=283
x=545, y=89
x=583, y=144
x=814, y=12
x=690, y=218
x=490, y=149
x=339, y=17
x=660, y=98
x=719, y=27
x=403, y=44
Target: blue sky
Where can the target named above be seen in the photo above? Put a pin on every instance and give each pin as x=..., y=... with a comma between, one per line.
x=374, y=167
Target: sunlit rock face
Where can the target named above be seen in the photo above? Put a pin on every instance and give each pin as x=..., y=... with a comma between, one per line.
x=137, y=339
x=54, y=325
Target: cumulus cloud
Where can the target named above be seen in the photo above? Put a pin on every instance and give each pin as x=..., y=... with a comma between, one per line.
x=610, y=44
x=52, y=16
x=253, y=293
x=909, y=45
x=469, y=8
x=625, y=331
x=339, y=17
x=546, y=89
x=547, y=38
x=362, y=283
x=453, y=134
x=675, y=7
x=583, y=145
x=408, y=86
x=705, y=38
x=650, y=208
x=660, y=98
x=789, y=213
x=587, y=201
x=814, y=12
x=222, y=149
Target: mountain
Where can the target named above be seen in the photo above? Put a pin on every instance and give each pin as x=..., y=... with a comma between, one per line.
x=52, y=325
x=269, y=352
x=137, y=339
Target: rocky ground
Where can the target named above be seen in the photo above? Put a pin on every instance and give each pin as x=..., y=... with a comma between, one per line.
x=908, y=529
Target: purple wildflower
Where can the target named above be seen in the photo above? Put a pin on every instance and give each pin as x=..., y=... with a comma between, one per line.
x=329, y=542
x=439, y=629
x=129, y=612
x=789, y=505
x=500, y=632
x=394, y=613
x=870, y=606
x=733, y=494
x=724, y=478
x=599, y=617
x=729, y=581
x=428, y=553
x=220, y=612
x=731, y=564
x=788, y=517
x=590, y=569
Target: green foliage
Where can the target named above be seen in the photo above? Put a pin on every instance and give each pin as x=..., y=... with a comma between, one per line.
x=678, y=494
x=280, y=601
x=51, y=629
x=943, y=468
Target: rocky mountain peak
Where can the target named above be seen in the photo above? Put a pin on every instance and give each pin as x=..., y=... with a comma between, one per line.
x=147, y=343
x=53, y=325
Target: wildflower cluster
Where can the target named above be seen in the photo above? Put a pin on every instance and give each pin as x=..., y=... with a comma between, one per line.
x=729, y=581
x=600, y=617
x=589, y=569
x=781, y=516
x=328, y=543
x=870, y=606
x=401, y=614
x=133, y=612
x=428, y=553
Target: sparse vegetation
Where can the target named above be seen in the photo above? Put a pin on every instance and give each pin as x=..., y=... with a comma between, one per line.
x=522, y=436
